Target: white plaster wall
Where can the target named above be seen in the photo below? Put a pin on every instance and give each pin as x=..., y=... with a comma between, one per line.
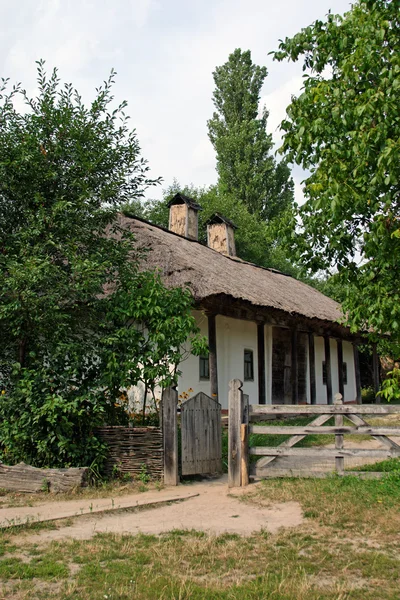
x=268, y=363
x=319, y=358
x=233, y=337
x=190, y=368
x=334, y=369
x=350, y=392
x=350, y=388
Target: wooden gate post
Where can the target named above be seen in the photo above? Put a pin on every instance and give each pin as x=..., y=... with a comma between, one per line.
x=339, y=460
x=234, y=432
x=170, y=435
x=244, y=441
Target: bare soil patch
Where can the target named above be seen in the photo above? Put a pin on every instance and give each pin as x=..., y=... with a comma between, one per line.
x=213, y=510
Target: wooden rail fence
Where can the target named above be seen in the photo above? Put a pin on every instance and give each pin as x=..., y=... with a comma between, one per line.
x=241, y=424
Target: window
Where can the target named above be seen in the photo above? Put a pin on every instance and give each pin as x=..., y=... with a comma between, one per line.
x=344, y=373
x=248, y=365
x=324, y=373
x=204, y=368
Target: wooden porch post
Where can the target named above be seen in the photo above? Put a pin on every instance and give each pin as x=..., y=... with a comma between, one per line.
x=261, y=362
x=294, y=367
x=375, y=364
x=212, y=344
x=328, y=368
x=357, y=373
x=340, y=366
x=311, y=361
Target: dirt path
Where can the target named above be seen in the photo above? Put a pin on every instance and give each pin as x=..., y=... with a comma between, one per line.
x=54, y=510
x=210, y=508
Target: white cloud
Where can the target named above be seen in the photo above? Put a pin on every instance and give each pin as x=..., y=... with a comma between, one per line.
x=277, y=102
x=164, y=52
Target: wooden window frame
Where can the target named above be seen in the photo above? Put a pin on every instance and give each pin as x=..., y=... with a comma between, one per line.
x=203, y=361
x=344, y=373
x=251, y=363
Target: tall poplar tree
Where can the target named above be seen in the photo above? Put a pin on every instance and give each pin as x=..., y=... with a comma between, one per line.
x=245, y=163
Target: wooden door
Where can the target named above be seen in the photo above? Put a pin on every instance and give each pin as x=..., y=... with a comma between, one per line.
x=201, y=435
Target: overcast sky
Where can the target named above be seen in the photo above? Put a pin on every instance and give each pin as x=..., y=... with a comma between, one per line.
x=164, y=52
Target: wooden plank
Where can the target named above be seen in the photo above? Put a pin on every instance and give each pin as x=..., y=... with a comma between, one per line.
x=261, y=363
x=216, y=439
x=365, y=409
x=201, y=432
x=319, y=452
x=234, y=443
x=244, y=477
x=201, y=435
x=244, y=437
x=170, y=435
x=293, y=440
x=357, y=373
x=212, y=345
x=327, y=346
x=376, y=375
x=294, y=373
x=328, y=429
x=308, y=473
x=339, y=344
x=381, y=437
x=311, y=362
x=339, y=460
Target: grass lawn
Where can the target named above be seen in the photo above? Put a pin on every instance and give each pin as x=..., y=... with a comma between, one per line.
x=347, y=548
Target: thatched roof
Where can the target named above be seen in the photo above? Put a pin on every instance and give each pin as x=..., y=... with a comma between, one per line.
x=182, y=199
x=207, y=273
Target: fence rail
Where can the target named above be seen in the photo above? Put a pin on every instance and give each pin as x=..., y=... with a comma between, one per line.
x=241, y=415
x=324, y=409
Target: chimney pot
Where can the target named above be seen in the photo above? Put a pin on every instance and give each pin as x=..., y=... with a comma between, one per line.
x=183, y=216
x=221, y=234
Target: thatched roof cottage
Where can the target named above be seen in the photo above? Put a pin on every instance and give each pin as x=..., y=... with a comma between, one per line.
x=280, y=336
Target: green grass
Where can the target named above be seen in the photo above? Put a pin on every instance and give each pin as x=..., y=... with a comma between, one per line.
x=384, y=466
x=37, y=568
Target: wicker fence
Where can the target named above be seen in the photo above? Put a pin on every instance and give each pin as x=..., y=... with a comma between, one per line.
x=133, y=450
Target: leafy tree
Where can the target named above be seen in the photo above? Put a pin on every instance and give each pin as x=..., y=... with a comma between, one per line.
x=246, y=167
x=79, y=322
x=345, y=129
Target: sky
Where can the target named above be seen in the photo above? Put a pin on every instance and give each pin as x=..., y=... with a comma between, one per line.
x=164, y=52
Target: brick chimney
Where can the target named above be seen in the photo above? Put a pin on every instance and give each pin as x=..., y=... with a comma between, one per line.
x=183, y=216
x=221, y=234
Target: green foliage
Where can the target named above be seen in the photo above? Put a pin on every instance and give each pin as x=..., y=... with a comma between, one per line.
x=345, y=128
x=391, y=386
x=246, y=167
x=79, y=323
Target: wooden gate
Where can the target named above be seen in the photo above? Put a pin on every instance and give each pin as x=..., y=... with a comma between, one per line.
x=244, y=420
x=201, y=435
